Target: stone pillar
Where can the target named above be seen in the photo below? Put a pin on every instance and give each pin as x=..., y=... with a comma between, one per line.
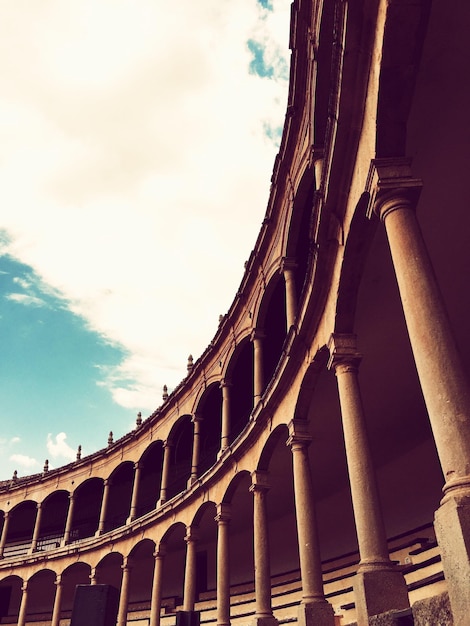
x=263, y=610
x=257, y=337
x=165, y=472
x=157, y=583
x=223, y=564
x=104, y=507
x=93, y=576
x=288, y=267
x=314, y=610
x=189, y=598
x=23, y=604
x=379, y=585
x=135, y=493
x=444, y=383
x=225, y=385
x=197, y=419
x=57, y=601
x=3, y=540
x=37, y=528
x=124, y=595
x=68, y=525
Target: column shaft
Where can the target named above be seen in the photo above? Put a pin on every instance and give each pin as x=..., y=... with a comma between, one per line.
x=124, y=595
x=223, y=565
x=3, y=540
x=23, y=605
x=135, y=493
x=165, y=473
x=259, y=488
x=196, y=449
x=189, y=598
x=258, y=383
x=442, y=377
x=68, y=525
x=288, y=269
x=57, y=602
x=379, y=585
x=157, y=584
x=37, y=528
x=226, y=416
x=104, y=508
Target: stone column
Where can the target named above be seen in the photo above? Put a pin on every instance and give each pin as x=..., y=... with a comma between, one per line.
x=23, y=604
x=189, y=598
x=93, y=576
x=197, y=419
x=225, y=385
x=3, y=540
x=37, y=528
x=314, y=610
x=165, y=472
x=135, y=493
x=104, y=507
x=379, y=586
x=263, y=611
x=157, y=584
x=68, y=525
x=57, y=601
x=257, y=337
x=124, y=595
x=444, y=382
x=223, y=564
x=288, y=267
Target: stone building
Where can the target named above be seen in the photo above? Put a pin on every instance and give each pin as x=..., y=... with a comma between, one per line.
x=314, y=464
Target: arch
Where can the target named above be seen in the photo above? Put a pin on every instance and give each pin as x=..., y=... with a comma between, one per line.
x=88, y=497
x=109, y=570
x=358, y=243
x=54, y=517
x=309, y=383
x=174, y=564
x=121, y=483
x=73, y=575
x=206, y=547
x=41, y=595
x=142, y=565
x=240, y=374
x=10, y=597
x=181, y=439
x=209, y=411
x=20, y=528
x=272, y=321
x=151, y=462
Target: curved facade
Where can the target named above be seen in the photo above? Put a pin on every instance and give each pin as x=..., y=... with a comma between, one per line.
x=314, y=465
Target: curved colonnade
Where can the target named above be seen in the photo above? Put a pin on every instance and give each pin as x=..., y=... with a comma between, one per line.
x=275, y=455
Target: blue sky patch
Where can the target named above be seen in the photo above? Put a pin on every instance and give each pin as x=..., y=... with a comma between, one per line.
x=258, y=64
x=266, y=4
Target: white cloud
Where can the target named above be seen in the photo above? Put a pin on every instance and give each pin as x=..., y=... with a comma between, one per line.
x=58, y=448
x=27, y=300
x=24, y=461
x=135, y=166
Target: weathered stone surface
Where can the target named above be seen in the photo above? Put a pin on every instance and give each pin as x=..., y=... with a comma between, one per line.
x=433, y=611
x=392, y=618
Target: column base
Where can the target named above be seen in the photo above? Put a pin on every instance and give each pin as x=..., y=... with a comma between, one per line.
x=265, y=620
x=452, y=526
x=319, y=613
x=379, y=590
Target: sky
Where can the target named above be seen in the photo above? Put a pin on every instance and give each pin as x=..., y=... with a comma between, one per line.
x=137, y=142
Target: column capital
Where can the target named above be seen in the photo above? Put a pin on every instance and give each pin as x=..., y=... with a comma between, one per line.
x=225, y=382
x=192, y=534
x=259, y=481
x=24, y=585
x=197, y=417
x=160, y=550
x=343, y=351
x=298, y=434
x=224, y=512
x=390, y=186
x=58, y=580
x=287, y=264
x=257, y=334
